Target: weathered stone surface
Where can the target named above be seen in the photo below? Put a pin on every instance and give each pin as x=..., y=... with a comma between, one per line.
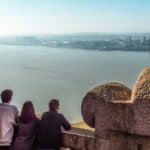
x=141, y=90
x=109, y=116
x=109, y=92
x=141, y=104
x=121, y=121
x=112, y=111
x=79, y=139
x=124, y=141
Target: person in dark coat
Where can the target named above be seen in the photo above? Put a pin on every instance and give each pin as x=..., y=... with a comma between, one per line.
x=49, y=133
x=27, y=128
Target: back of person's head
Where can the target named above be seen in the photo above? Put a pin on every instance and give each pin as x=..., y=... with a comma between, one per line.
x=27, y=113
x=54, y=104
x=6, y=95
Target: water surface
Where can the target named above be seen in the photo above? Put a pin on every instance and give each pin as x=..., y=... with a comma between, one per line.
x=42, y=73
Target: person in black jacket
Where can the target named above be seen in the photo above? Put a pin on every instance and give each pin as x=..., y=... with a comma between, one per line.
x=49, y=133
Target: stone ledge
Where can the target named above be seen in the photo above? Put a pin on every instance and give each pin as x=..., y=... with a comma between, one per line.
x=79, y=139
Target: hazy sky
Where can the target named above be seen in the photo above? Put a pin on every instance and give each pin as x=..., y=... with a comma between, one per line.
x=69, y=16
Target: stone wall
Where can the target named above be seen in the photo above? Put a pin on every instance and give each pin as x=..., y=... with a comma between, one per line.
x=121, y=120
x=79, y=139
x=106, y=93
x=125, y=141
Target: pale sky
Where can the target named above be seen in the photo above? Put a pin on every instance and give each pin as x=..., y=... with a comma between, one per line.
x=18, y=17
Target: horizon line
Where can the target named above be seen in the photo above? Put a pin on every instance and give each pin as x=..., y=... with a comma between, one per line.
x=42, y=34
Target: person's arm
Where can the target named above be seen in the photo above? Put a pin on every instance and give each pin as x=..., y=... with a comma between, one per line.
x=16, y=124
x=43, y=116
x=65, y=123
x=16, y=116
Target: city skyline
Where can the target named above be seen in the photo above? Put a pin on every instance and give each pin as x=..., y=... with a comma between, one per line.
x=73, y=16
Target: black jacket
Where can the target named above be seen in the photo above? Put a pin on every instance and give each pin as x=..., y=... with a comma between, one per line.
x=49, y=132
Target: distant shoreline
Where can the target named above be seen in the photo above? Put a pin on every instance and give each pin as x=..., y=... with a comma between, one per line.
x=74, y=48
x=82, y=125
x=97, y=42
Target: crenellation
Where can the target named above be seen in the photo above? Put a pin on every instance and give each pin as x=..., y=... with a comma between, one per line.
x=121, y=119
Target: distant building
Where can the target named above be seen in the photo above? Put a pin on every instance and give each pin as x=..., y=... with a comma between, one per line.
x=27, y=40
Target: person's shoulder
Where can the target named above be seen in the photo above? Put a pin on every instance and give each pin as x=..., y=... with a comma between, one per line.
x=60, y=115
x=14, y=108
x=45, y=114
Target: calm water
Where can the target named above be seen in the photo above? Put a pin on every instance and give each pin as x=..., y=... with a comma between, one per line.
x=41, y=73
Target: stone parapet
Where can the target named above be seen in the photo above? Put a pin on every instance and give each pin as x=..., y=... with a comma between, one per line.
x=121, y=118
x=79, y=139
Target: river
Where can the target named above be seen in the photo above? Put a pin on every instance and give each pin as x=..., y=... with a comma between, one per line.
x=41, y=73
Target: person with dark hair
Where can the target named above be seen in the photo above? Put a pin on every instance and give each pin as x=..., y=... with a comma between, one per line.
x=49, y=134
x=8, y=118
x=27, y=128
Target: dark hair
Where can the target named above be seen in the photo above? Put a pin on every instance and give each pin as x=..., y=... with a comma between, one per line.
x=53, y=104
x=27, y=113
x=6, y=95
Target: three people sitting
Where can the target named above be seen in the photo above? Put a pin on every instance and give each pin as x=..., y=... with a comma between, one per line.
x=27, y=132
